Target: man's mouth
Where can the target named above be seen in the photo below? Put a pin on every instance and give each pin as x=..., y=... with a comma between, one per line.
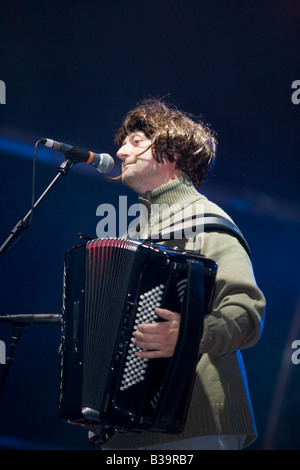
x=125, y=164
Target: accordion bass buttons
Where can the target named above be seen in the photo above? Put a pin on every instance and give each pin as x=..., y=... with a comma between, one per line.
x=127, y=313
x=129, y=304
x=126, y=320
x=122, y=344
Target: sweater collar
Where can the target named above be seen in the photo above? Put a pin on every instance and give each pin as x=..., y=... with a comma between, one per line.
x=180, y=190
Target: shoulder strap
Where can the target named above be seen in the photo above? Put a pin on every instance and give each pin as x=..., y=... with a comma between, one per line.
x=215, y=223
x=208, y=223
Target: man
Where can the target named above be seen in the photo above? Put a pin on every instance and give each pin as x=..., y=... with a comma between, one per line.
x=165, y=156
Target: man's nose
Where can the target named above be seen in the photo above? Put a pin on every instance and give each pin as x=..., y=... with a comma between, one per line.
x=124, y=151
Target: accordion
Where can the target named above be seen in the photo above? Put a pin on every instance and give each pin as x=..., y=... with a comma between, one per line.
x=110, y=287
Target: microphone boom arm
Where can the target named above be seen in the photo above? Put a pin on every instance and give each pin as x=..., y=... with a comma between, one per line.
x=32, y=319
x=19, y=323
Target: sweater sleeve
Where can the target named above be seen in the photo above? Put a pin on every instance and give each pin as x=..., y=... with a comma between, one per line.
x=237, y=315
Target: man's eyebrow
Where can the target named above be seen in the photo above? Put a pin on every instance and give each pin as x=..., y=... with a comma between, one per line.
x=132, y=134
x=139, y=133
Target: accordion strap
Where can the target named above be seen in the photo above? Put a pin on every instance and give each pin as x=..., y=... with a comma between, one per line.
x=208, y=223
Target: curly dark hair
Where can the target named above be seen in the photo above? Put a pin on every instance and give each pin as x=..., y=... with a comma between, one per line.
x=175, y=135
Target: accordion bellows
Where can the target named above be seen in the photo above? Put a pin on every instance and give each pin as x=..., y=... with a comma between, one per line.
x=110, y=287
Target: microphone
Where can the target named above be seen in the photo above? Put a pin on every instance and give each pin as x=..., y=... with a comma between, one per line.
x=103, y=162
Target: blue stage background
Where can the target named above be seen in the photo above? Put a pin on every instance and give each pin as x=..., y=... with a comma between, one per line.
x=72, y=70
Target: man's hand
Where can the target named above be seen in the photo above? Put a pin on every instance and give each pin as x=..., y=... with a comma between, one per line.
x=158, y=338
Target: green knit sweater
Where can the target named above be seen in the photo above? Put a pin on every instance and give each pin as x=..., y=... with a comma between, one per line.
x=220, y=401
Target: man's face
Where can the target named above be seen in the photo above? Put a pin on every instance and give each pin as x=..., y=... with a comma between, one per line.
x=140, y=171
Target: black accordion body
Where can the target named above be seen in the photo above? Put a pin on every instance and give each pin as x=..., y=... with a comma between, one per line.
x=110, y=287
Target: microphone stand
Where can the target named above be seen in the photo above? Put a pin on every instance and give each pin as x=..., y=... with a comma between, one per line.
x=19, y=323
x=23, y=224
